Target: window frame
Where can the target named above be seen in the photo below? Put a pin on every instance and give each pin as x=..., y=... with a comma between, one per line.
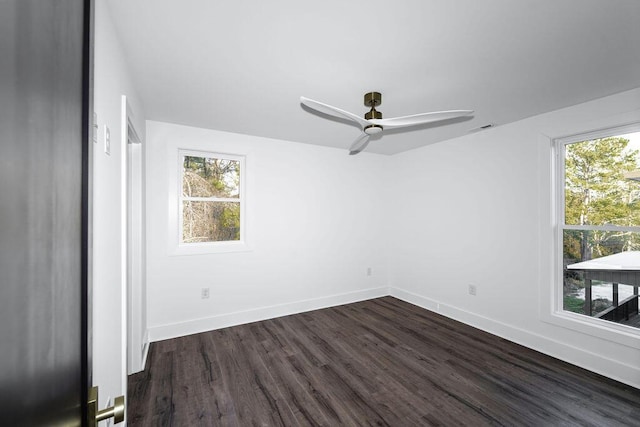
x=611, y=331
x=195, y=248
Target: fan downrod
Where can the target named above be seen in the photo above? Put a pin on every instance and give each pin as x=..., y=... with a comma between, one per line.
x=373, y=99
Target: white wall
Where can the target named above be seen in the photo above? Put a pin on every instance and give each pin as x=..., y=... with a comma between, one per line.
x=477, y=210
x=316, y=221
x=109, y=331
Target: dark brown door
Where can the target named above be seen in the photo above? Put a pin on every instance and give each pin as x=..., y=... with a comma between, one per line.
x=44, y=99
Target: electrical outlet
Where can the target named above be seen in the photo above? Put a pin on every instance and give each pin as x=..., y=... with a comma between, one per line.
x=368, y=271
x=472, y=290
x=205, y=293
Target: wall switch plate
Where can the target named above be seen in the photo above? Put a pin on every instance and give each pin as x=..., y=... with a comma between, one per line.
x=205, y=293
x=472, y=290
x=107, y=140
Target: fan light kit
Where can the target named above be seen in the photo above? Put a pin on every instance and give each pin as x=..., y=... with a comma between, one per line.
x=373, y=123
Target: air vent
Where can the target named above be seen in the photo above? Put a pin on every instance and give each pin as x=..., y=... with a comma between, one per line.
x=485, y=127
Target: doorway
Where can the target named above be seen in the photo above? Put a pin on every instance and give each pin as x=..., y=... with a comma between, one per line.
x=137, y=342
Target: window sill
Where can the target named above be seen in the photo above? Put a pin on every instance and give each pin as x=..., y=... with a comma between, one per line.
x=210, y=248
x=610, y=331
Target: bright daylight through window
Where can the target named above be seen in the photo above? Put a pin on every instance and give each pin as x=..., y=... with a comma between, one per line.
x=600, y=230
x=210, y=198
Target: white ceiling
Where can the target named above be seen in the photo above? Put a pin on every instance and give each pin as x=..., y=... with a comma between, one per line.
x=242, y=65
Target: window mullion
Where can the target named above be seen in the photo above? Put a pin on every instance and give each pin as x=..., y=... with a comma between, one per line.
x=601, y=227
x=210, y=199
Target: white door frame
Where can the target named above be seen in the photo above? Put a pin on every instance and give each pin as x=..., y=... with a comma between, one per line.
x=136, y=339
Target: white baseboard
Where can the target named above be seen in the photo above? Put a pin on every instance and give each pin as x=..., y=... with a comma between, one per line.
x=163, y=332
x=616, y=370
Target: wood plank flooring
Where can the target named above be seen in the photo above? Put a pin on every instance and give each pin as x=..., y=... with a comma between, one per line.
x=381, y=362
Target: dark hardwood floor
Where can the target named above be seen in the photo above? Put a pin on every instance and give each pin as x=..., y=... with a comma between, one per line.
x=381, y=362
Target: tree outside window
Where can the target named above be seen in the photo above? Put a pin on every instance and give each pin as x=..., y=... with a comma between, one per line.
x=601, y=210
x=210, y=198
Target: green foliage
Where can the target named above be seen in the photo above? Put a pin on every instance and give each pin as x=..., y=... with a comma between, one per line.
x=230, y=220
x=572, y=303
x=597, y=193
x=576, y=305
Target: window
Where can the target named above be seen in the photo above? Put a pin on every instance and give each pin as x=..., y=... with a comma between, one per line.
x=599, y=230
x=210, y=198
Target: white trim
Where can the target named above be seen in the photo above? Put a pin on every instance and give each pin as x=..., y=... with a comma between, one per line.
x=603, y=132
x=144, y=353
x=551, y=309
x=603, y=329
x=176, y=246
x=124, y=247
x=211, y=199
x=134, y=237
x=601, y=227
x=628, y=374
x=145, y=350
x=163, y=332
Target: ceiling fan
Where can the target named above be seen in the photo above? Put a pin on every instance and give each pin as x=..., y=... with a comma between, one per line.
x=373, y=123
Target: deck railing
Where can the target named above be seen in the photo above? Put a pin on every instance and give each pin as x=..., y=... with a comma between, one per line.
x=616, y=313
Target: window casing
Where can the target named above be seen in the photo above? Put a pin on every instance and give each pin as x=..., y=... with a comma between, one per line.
x=598, y=215
x=210, y=202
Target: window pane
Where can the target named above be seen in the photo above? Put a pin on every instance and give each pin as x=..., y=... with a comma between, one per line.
x=210, y=177
x=210, y=221
x=592, y=262
x=599, y=185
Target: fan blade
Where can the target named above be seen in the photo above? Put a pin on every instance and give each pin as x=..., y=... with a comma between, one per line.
x=359, y=144
x=334, y=111
x=419, y=119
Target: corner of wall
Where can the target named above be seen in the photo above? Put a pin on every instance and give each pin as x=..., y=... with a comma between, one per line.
x=189, y=327
x=616, y=370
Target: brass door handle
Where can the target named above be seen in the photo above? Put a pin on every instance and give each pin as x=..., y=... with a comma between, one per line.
x=94, y=416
